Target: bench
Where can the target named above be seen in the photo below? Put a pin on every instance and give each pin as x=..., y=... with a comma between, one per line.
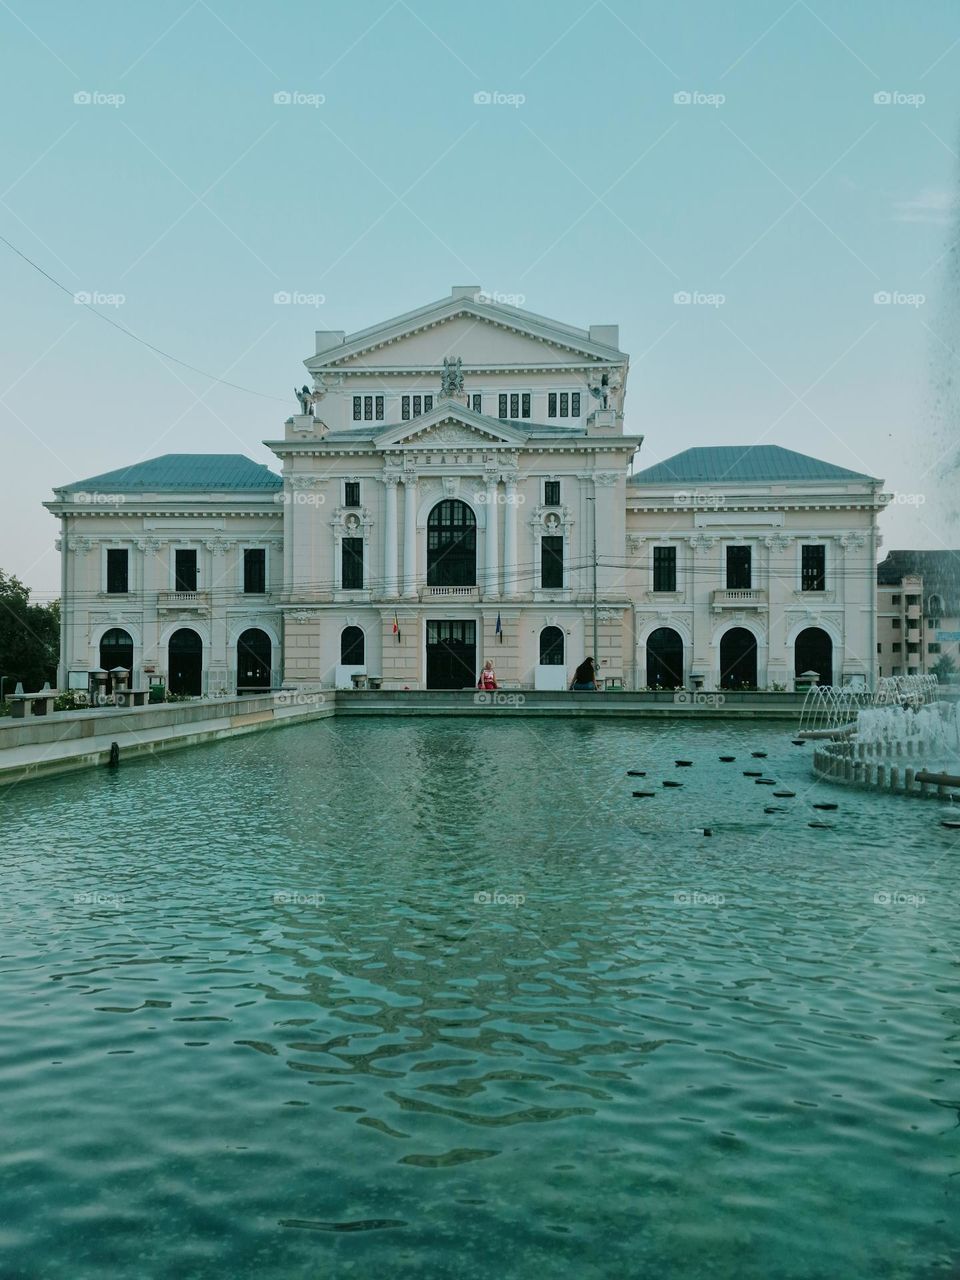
x=34, y=704
x=131, y=697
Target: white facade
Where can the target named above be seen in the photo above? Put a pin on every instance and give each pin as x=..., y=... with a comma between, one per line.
x=459, y=490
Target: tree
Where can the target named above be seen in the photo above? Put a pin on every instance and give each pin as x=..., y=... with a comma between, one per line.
x=945, y=667
x=29, y=637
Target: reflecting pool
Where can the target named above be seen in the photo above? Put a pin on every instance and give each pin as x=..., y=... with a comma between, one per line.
x=441, y=997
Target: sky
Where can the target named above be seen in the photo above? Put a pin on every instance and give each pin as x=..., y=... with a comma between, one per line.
x=789, y=168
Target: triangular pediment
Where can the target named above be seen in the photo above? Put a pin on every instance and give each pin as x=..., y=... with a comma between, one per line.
x=482, y=333
x=451, y=425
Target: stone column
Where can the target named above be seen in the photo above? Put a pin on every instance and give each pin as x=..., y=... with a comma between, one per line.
x=410, y=537
x=390, y=537
x=491, y=567
x=511, y=585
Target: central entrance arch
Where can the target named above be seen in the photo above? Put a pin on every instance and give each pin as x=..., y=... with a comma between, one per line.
x=116, y=650
x=254, y=654
x=185, y=662
x=451, y=654
x=665, y=659
x=451, y=545
x=738, y=659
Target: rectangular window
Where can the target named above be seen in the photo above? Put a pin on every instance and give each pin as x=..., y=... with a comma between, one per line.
x=514, y=405
x=118, y=572
x=575, y=404
x=525, y=405
x=564, y=404
x=664, y=568
x=552, y=405
x=475, y=402
x=879, y=648
x=933, y=647
x=405, y=408
x=895, y=623
x=551, y=493
x=351, y=493
x=417, y=406
x=894, y=599
x=898, y=671
x=185, y=571
x=378, y=400
x=427, y=403
x=357, y=408
x=738, y=568
x=352, y=564
x=913, y=599
x=897, y=647
x=913, y=648
x=254, y=571
x=368, y=408
x=502, y=406
x=813, y=568
x=551, y=562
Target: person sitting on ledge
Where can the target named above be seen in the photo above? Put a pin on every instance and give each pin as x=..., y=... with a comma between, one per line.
x=488, y=677
x=585, y=676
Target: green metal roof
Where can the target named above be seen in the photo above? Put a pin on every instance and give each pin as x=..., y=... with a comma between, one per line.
x=178, y=472
x=750, y=463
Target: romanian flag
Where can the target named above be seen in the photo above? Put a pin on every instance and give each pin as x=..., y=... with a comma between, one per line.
x=396, y=626
x=499, y=630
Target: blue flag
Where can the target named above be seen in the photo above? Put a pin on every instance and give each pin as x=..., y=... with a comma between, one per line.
x=499, y=630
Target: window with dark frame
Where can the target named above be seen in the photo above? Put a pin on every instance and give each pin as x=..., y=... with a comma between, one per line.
x=378, y=401
x=351, y=493
x=895, y=623
x=185, y=570
x=405, y=408
x=352, y=564
x=525, y=404
x=118, y=571
x=551, y=562
x=551, y=493
x=357, y=408
x=813, y=568
x=552, y=404
x=739, y=564
x=575, y=404
x=514, y=404
x=417, y=406
x=368, y=408
x=564, y=404
x=664, y=568
x=254, y=571
x=501, y=406
x=476, y=402
x=351, y=647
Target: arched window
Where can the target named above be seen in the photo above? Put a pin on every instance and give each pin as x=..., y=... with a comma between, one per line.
x=551, y=647
x=351, y=647
x=451, y=545
x=935, y=606
x=813, y=651
x=664, y=659
x=254, y=654
x=738, y=659
x=116, y=650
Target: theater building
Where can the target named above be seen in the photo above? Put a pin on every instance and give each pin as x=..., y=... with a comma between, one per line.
x=458, y=485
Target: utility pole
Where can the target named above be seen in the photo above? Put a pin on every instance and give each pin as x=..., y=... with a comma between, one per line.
x=596, y=656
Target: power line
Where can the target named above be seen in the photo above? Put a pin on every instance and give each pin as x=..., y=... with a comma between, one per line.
x=130, y=334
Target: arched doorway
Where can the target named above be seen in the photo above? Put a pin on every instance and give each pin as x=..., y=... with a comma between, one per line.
x=551, y=647
x=813, y=651
x=738, y=659
x=185, y=662
x=351, y=647
x=664, y=659
x=451, y=545
x=116, y=650
x=254, y=655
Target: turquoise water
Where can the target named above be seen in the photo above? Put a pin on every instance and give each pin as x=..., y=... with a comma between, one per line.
x=255, y=1023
